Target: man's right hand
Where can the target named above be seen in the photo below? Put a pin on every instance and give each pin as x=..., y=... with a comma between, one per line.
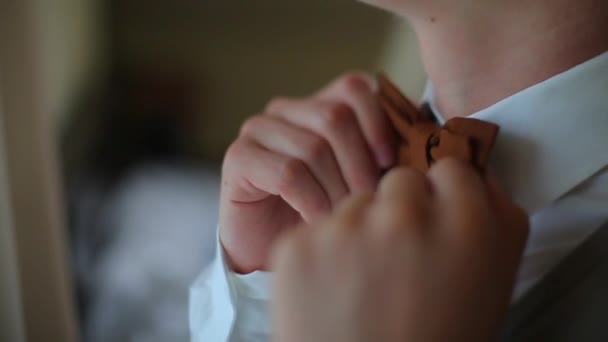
x=296, y=161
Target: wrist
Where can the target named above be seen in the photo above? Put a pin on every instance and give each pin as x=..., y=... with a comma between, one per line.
x=238, y=256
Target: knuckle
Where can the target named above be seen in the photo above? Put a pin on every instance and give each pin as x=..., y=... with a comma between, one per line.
x=317, y=150
x=251, y=124
x=291, y=171
x=363, y=180
x=319, y=208
x=408, y=216
x=233, y=152
x=337, y=116
x=406, y=184
x=276, y=103
x=354, y=209
x=232, y=160
x=354, y=82
x=400, y=177
x=451, y=166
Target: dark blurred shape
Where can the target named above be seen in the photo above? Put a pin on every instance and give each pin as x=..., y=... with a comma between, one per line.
x=136, y=170
x=138, y=117
x=131, y=169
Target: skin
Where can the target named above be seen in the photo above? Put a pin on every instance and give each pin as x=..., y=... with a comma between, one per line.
x=296, y=161
x=299, y=159
x=477, y=52
x=426, y=258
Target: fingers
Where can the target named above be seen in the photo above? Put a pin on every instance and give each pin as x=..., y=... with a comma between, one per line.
x=358, y=90
x=404, y=200
x=336, y=123
x=276, y=174
x=280, y=137
x=353, y=210
x=404, y=185
x=459, y=190
x=464, y=197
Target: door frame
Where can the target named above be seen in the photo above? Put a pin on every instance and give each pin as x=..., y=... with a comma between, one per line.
x=43, y=306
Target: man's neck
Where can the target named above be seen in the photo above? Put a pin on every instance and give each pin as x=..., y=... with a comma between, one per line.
x=482, y=57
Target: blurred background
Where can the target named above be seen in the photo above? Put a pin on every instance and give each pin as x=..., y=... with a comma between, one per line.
x=114, y=116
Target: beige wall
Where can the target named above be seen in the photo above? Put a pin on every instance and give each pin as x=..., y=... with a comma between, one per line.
x=73, y=42
x=401, y=59
x=11, y=313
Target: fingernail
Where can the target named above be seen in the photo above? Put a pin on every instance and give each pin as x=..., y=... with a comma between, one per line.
x=385, y=156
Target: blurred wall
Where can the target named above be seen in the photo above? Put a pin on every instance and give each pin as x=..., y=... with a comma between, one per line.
x=238, y=53
x=11, y=314
x=49, y=53
x=73, y=40
x=242, y=53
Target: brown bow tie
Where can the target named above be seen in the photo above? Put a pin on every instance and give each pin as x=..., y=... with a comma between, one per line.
x=424, y=141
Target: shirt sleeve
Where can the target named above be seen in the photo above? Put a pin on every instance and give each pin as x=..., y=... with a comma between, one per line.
x=229, y=307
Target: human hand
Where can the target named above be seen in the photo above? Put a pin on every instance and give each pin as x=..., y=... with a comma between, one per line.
x=427, y=258
x=296, y=161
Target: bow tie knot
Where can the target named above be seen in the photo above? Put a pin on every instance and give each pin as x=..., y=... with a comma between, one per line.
x=424, y=141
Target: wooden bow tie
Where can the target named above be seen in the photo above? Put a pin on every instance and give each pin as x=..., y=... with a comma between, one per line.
x=424, y=141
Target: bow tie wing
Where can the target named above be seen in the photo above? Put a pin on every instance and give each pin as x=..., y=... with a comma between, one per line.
x=413, y=128
x=400, y=122
x=424, y=141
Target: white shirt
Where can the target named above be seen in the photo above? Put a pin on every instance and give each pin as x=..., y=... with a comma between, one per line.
x=551, y=154
x=135, y=282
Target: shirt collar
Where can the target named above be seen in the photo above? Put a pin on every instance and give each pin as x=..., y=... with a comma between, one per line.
x=553, y=135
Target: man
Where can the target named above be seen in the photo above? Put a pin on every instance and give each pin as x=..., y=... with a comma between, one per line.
x=538, y=69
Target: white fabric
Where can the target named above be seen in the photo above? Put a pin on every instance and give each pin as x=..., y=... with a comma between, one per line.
x=551, y=154
x=138, y=248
